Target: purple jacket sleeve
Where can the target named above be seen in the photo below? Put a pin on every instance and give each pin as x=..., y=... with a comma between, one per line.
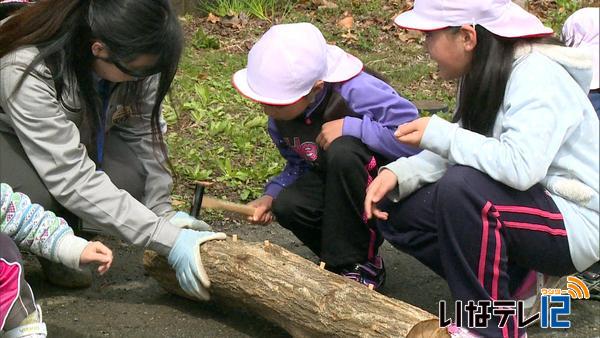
x=382, y=111
x=294, y=167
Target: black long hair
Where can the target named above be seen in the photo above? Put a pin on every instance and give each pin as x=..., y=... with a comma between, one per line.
x=481, y=91
x=64, y=30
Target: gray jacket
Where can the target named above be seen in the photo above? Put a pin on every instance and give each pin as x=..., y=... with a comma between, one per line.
x=49, y=134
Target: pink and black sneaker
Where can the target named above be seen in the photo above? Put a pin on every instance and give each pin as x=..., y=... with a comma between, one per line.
x=369, y=273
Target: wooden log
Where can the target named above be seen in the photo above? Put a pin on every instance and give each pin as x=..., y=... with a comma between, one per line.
x=296, y=294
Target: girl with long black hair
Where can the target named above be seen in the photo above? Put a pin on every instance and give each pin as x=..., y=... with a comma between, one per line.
x=508, y=192
x=81, y=86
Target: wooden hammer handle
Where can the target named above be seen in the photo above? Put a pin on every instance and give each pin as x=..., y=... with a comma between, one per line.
x=213, y=203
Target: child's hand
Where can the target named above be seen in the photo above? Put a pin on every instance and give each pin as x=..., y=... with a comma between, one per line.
x=411, y=133
x=96, y=252
x=381, y=185
x=262, y=213
x=329, y=132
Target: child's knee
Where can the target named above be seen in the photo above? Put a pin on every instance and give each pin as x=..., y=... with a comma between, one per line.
x=454, y=182
x=344, y=152
x=284, y=207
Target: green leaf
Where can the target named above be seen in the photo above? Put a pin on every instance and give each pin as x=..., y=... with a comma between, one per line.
x=203, y=41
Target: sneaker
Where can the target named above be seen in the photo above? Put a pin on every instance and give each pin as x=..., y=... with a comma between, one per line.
x=31, y=327
x=63, y=276
x=369, y=273
x=530, y=290
x=592, y=281
x=461, y=332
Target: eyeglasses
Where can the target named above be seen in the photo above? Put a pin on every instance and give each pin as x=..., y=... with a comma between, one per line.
x=137, y=74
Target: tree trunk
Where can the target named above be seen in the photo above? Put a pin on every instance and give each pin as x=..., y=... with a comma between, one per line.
x=296, y=294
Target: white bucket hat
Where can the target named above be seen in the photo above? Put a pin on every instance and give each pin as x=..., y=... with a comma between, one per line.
x=287, y=61
x=582, y=29
x=501, y=17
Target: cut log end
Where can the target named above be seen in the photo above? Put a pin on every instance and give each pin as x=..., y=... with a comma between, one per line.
x=428, y=329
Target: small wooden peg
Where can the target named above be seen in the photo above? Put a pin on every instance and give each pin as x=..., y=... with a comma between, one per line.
x=371, y=286
x=322, y=266
x=267, y=244
x=234, y=238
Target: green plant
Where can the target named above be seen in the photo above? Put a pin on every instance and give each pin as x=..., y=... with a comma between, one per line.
x=217, y=135
x=223, y=7
x=214, y=133
x=564, y=8
x=200, y=40
x=261, y=9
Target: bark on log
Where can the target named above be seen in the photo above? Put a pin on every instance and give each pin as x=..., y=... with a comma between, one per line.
x=296, y=294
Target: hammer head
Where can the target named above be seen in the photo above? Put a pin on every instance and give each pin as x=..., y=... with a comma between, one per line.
x=197, y=201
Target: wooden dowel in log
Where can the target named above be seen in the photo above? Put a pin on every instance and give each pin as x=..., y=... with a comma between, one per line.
x=296, y=294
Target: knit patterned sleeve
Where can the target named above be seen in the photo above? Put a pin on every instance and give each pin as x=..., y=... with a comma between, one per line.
x=29, y=225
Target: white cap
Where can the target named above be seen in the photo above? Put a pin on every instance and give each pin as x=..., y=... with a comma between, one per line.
x=501, y=17
x=582, y=30
x=287, y=61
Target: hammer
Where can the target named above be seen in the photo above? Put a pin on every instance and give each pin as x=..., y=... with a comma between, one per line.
x=201, y=201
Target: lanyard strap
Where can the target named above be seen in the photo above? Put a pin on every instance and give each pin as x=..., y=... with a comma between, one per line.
x=103, y=90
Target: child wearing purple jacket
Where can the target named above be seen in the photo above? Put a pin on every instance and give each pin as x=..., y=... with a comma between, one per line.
x=334, y=124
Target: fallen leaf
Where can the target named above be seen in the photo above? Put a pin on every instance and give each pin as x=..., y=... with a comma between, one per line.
x=212, y=18
x=522, y=3
x=232, y=21
x=202, y=76
x=176, y=203
x=408, y=35
x=324, y=4
x=346, y=22
x=408, y=4
x=349, y=37
x=248, y=44
x=387, y=28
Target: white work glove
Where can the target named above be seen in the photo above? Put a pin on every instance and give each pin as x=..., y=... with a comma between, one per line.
x=185, y=259
x=183, y=220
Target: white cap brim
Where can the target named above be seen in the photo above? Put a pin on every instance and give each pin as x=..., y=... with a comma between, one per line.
x=240, y=83
x=414, y=21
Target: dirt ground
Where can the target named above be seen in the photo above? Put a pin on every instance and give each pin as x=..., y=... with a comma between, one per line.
x=127, y=303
